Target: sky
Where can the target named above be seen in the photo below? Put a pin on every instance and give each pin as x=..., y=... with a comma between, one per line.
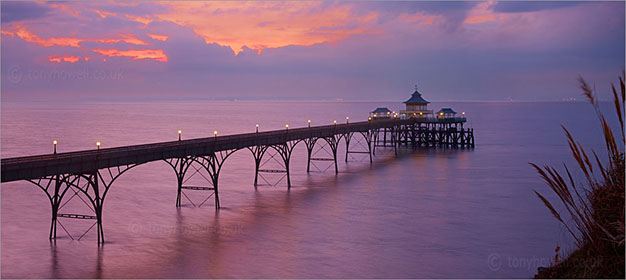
x=462, y=51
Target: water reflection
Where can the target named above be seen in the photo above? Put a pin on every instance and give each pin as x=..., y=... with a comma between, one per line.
x=424, y=214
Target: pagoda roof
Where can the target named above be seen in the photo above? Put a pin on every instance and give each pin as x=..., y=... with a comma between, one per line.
x=446, y=111
x=416, y=98
x=381, y=110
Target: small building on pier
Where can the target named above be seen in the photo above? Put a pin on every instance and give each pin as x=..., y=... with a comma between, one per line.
x=446, y=113
x=381, y=113
x=416, y=106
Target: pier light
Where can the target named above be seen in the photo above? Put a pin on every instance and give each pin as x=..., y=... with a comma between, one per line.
x=287, y=126
x=441, y=114
x=463, y=113
x=98, y=145
x=180, y=132
x=257, y=128
x=309, y=122
x=54, y=142
x=369, y=118
x=215, y=133
x=421, y=113
x=335, y=122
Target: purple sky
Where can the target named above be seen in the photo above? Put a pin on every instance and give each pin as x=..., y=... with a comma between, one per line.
x=308, y=50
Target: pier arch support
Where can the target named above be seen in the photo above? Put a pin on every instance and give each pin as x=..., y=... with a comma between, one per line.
x=283, y=150
x=211, y=164
x=367, y=137
x=93, y=186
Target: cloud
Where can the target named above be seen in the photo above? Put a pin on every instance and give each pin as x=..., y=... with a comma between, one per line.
x=449, y=15
x=19, y=11
x=79, y=43
x=156, y=55
x=158, y=37
x=309, y=50
x=262, y=25
x=64, y=58
x=531, y=6
x=482, y=13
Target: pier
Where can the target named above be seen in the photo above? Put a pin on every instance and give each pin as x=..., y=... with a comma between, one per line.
x=91, y=173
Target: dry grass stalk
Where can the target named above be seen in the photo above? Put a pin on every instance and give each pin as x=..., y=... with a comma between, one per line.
x=596, y=210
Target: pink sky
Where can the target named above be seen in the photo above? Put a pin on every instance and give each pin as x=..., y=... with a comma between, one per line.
x=307, y=50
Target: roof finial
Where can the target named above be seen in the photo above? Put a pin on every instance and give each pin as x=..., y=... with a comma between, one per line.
x=415, y=87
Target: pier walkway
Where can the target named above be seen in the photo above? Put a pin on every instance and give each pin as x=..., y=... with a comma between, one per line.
x=91, y=173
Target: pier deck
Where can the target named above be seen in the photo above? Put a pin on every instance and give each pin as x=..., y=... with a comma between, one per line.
x=92, y=172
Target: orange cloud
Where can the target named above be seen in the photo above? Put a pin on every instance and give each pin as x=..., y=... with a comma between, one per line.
x=66, y=58
x=64, y=8
x=158, y=37
x=28, y=36
x=261, y=25
x=145, y=20
x=157, y=55
x=6, y=32
x=31, y=37
x=131, y=39
x=103, y=14
x=482, y=13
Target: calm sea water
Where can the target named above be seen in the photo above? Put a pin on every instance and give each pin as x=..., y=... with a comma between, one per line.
x=426, y=213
